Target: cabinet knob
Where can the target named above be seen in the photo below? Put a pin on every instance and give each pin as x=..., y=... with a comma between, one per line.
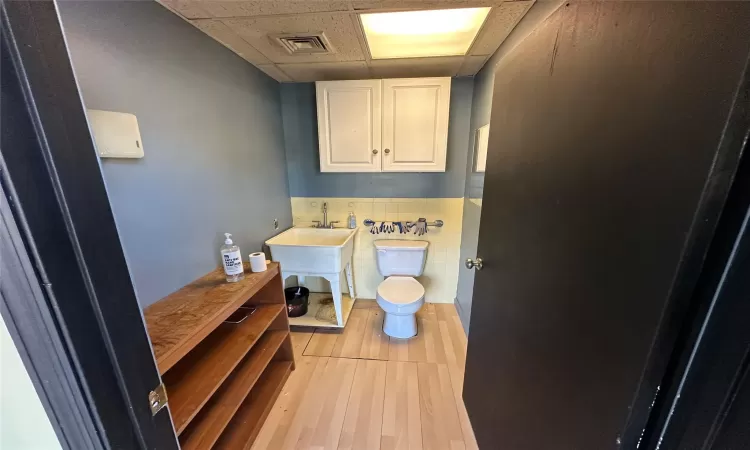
x=375, y=152
x=388, y=150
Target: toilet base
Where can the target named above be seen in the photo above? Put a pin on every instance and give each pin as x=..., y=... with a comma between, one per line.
x=400, y=326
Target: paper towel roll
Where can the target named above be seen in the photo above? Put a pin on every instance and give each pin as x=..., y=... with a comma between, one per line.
x=258, y=262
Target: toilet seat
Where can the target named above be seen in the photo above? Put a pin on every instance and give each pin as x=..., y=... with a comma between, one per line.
x=400, y=298
x=400, y=291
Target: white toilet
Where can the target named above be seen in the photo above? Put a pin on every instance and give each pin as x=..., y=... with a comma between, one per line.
x=400, y=295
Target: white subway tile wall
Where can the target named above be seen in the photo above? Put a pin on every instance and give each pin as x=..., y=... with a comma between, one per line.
x=440, y=277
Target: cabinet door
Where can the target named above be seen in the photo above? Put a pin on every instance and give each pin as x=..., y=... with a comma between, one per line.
x=415, y=124
x=349, y=132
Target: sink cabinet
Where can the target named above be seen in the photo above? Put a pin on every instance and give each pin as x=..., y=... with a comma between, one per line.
x=393, y=125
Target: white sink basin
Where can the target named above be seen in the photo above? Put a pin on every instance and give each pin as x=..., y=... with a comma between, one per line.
x=313, y=250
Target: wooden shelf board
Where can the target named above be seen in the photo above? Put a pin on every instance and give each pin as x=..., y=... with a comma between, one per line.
x=201, y=372
x=309, y=319
x=248, y=420
x=214, y=417
x=178, y=322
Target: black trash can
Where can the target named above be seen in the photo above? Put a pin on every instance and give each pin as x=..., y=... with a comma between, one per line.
x=297, y=299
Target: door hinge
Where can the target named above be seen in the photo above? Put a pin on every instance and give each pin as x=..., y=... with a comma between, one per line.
x=157, y=399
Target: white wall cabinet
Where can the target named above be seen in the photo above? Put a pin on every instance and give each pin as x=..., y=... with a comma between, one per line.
x=349, y=125
x=395, y=125
x=415, y=124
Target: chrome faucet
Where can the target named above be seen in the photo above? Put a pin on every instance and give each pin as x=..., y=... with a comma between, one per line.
x=325, y=223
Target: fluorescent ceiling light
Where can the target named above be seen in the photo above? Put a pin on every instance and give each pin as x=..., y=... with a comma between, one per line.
x=412, y=34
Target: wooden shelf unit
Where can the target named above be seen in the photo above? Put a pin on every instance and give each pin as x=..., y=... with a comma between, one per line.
x=214, y=370
x=193, y=380
x=245, y=426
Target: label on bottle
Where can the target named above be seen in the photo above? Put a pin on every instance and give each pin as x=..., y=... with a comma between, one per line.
x=232, y=262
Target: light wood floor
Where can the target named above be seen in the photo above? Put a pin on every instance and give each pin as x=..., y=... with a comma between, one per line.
x=357, y=389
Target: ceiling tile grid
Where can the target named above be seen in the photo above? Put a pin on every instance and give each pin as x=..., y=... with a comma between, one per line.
x=248, y=28
x=273, y=71
x=222, y=33
x=215, y=9
x=230, y=8
x=438, y=66
x=352, y=70
x=500, y=22
x=187, y=9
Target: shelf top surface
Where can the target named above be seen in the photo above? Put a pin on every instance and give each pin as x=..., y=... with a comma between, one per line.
x=196, y=309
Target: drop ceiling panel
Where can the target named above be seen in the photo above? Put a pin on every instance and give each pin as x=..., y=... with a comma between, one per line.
x=274, y=72
x=446, y=66
x=338, y=28
x=498, y=25
x=420, y=4
x=190, y=9
x=247, y=28
x=355, y=70
x=230, y=8
x=471, y=65
x=222, y=33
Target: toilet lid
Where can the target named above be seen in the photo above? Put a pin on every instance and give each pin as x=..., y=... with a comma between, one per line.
x=400, y=290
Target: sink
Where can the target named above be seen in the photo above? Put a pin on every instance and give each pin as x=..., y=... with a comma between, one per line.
x=313, y=250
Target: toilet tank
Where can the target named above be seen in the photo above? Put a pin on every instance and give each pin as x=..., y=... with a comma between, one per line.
x=398, y=257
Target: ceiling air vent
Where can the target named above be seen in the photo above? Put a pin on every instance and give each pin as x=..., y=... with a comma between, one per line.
x=304, y=44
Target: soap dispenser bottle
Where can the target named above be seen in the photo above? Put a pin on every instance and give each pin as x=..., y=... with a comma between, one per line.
x=232, y=259
x=351, y=221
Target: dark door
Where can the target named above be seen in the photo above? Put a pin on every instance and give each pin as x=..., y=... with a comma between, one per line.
x=604, y=181
x=708, y=406
x=50, y=174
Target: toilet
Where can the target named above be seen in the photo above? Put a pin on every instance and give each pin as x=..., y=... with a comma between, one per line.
x=400, y=295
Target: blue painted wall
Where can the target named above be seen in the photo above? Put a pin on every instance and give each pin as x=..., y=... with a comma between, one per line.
x=303, y=163
x=480, y=116
x=481, y=109
x=212, y=135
